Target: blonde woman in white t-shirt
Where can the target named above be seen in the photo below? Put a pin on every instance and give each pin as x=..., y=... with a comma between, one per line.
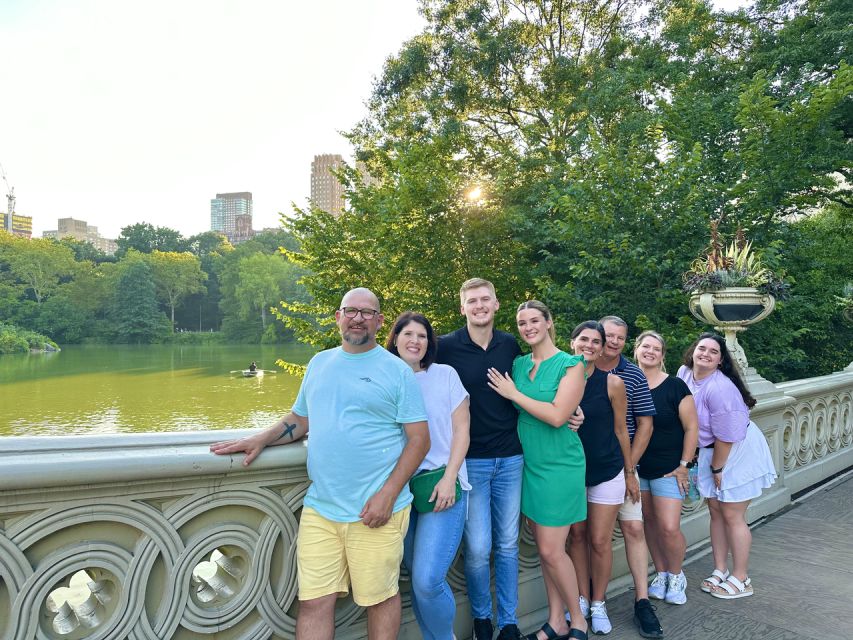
x=433, y=537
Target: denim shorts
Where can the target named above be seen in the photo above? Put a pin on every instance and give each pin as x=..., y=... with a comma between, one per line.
x=662, y=487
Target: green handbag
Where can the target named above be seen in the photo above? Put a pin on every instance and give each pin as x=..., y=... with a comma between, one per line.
x=423, y=484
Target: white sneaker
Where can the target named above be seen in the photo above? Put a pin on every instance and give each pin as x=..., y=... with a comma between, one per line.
x=657, y=589
x=599, y=622
x=584, y=605
x=676, y=589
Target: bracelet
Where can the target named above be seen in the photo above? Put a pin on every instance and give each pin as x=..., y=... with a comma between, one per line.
x=716, y=471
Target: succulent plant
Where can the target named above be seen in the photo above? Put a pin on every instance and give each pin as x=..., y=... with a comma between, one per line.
x=735, y=265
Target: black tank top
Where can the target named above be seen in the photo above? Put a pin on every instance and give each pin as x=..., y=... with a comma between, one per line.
x=603, y=454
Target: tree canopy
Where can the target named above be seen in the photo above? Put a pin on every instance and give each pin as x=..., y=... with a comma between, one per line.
x=145, y=238
x=176, y=275
x=68, y=290
x=576, y=151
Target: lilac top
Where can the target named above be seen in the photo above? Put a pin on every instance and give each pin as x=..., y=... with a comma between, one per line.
x=723, y=415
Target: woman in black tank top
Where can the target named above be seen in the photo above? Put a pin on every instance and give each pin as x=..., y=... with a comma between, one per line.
x=604, y=435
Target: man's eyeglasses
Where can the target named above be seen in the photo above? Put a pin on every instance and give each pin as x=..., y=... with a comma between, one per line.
x=352, y=312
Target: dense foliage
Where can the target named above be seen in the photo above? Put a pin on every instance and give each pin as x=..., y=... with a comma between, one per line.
x=159, y=286
x=16, y=340
x=576, y=151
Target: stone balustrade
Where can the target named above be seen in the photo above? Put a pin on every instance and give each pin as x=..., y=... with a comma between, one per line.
x=817, y=431
x=149, y=536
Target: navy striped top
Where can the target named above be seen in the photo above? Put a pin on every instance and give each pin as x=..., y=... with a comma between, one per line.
x=640, y=401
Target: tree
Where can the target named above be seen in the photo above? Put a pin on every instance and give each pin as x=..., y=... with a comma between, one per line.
x=133, y=314
x=606, y=135
x=413, y=239
x=808, y=335
x=259, y=284
x=176, y=275
x=211, y=248
x=145, y=238
x=251, y=285
x=40, y=264
x=71, y=313
x=64, y=320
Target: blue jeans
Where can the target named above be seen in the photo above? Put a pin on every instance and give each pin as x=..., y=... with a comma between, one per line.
x=429, y=549
x=494, y=513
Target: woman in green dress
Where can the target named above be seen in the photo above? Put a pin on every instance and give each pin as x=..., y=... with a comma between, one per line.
x=546, y=386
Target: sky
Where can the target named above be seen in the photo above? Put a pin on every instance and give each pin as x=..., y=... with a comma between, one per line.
x=121, y=111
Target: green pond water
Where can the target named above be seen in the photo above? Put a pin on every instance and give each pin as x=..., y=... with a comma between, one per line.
x=119, y=388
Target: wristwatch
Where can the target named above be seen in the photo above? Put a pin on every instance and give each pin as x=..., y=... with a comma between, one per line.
x=716, y=471
x=685, y=463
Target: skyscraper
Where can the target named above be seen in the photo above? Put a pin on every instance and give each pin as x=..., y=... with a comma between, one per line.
x=225, y=208
x=327, y=193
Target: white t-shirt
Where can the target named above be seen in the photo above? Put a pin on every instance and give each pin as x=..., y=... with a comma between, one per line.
x=443, y=393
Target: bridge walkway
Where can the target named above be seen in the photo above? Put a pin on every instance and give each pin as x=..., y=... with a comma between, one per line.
x=802, y=571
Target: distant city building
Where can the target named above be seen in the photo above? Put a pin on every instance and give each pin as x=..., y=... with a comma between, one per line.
x=242, y=229
x=18, y=224
x=82, y=232
x=225, y=208
x=327, y=192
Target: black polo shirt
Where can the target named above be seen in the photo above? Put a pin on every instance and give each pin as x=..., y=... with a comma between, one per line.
x=494, y=420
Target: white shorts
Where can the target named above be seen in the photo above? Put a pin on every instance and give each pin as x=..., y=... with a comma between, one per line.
x=608, y=492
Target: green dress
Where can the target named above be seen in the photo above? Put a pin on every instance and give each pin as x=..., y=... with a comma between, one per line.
x=553, y=492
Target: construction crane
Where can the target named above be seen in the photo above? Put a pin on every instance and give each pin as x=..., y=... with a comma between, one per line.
x=10, y=200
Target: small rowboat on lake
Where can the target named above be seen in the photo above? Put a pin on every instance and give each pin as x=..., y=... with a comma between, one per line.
x=249, y=373
x=253, y=373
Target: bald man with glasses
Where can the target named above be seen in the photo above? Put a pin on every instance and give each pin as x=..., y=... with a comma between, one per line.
x=368, y=435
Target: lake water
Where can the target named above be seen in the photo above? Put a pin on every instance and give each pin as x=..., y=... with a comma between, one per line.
x=120, y=388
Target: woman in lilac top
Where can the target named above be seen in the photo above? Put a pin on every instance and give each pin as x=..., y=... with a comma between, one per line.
x=734, y=460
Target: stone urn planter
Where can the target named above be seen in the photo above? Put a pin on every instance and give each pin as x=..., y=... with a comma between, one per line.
x=730, y=288
x=732, y=306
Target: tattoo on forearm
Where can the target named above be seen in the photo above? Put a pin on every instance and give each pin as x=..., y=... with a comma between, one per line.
x=287, y=431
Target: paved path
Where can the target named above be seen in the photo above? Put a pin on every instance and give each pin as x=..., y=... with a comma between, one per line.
x=802, y=570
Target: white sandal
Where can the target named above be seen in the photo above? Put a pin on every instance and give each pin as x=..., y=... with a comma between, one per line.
x=714, y=580
x=733, y=588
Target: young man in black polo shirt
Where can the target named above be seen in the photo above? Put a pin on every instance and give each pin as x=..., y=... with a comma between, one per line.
x=494, y=460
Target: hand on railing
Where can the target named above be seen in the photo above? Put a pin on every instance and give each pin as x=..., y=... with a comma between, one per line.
x=251, y=446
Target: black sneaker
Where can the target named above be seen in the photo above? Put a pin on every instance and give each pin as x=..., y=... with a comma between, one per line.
x=510, y=632
x=646, y=620
x=483, y=629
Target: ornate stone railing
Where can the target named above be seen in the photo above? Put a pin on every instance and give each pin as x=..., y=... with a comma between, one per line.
x=152, y=537
x=817, y=432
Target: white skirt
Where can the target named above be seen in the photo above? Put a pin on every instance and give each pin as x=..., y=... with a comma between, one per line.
x=748, y=471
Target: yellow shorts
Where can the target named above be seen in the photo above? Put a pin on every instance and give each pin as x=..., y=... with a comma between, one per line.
x=332, y=555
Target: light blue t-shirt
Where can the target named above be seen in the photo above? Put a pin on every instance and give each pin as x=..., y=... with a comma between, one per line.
x=356, y=405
